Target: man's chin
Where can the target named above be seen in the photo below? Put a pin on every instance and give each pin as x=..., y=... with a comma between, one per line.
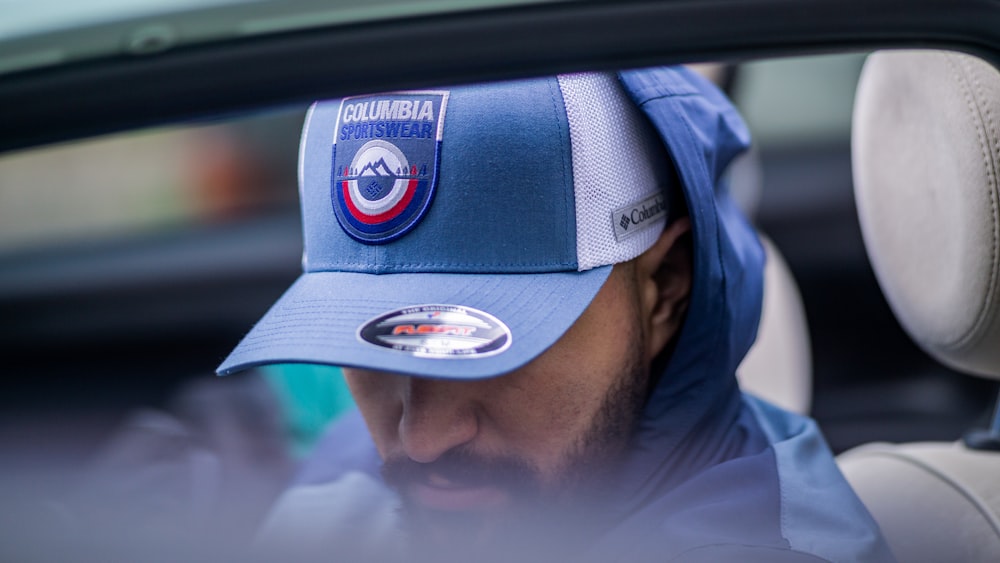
x=459, y=500
x=488, y=525
x=447, y=519
x=467, y=524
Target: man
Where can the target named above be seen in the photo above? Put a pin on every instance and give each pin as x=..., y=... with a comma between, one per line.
x=540, y=292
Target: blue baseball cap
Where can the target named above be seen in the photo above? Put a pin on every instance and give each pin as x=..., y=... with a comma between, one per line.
x=459, y=232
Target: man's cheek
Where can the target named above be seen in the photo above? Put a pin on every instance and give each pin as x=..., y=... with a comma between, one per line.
x=379, y=414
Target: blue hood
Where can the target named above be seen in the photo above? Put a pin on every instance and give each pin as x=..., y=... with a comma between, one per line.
x=697, y=400
x=713, y=474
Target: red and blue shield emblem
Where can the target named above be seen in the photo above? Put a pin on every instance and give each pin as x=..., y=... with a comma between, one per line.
x=385, y=162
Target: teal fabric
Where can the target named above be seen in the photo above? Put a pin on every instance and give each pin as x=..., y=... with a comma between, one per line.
x=311, y=397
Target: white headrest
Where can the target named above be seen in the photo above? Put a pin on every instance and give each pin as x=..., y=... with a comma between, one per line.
x=926, y=151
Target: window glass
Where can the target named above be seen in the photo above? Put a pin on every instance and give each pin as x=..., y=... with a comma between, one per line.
x=146, y=181
x=798, y=100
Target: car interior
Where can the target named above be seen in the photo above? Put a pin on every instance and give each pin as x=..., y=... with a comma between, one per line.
x=928, y=212
x=131, y=261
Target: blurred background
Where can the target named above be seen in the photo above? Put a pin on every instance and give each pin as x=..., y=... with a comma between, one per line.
x=131, y=265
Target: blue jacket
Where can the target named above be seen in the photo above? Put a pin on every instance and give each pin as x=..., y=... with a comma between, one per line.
x=713, y=474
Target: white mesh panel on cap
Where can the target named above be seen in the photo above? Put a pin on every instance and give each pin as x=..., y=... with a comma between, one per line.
x=617, y=160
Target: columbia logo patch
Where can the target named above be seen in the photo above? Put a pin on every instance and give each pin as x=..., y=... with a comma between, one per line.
x=385, y=162
x=636, y=217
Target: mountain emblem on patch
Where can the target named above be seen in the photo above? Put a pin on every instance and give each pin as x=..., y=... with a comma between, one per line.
x=385, y=162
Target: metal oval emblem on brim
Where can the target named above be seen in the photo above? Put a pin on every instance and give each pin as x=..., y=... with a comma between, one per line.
x=438, y=331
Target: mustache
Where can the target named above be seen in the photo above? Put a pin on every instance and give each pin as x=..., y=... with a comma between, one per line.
x=465, y=469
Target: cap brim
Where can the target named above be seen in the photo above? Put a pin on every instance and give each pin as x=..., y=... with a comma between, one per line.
x=318, y=319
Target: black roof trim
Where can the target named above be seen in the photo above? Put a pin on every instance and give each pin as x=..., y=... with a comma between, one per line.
x=85, y=99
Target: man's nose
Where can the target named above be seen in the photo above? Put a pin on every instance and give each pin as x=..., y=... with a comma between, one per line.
x=438, y=415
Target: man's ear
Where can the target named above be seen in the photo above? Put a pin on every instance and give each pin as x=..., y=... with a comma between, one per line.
x=663, y=274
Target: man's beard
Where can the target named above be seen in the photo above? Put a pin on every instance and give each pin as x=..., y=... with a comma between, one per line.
x=540, y=520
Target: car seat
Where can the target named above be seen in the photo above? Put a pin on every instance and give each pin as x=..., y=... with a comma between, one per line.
x=926, y=154
x=778, y=366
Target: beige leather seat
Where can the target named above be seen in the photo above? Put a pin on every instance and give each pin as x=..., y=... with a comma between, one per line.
x=926, y=150
x=778, y=367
